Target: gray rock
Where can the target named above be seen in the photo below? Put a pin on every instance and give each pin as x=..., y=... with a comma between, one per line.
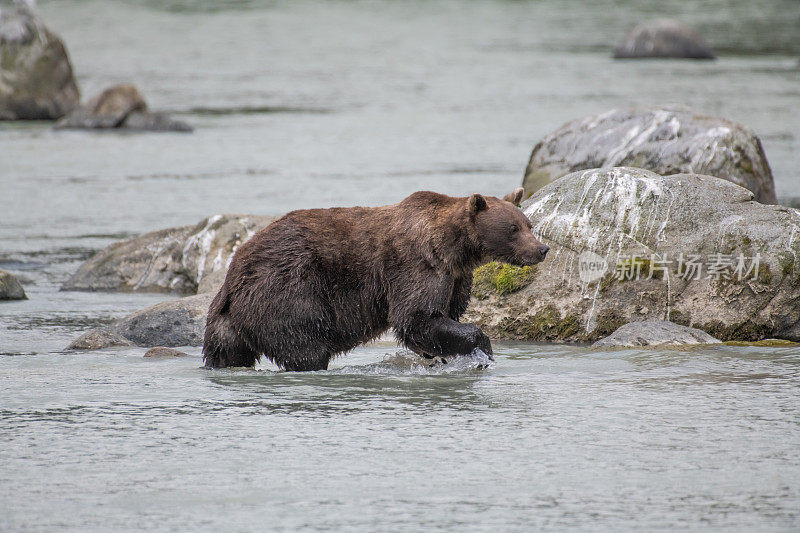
x=212, y=282
x=162, y=352
x=10, y=288
x=663, y=38
x=171, y=260
x=178, y=322
x=666, y=140
x=615, y=220
x=120, y=107
x=36, y=80
x=656, y=333
x=99, y=338
x=139, y=121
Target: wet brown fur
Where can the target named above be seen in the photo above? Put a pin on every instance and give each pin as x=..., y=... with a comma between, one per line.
x=319, y=282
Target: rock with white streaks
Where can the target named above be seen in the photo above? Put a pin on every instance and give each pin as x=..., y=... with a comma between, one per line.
x=666, y=140
x=630, y=245
x=171, y=260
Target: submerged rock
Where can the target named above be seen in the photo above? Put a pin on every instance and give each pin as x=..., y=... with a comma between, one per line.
x=171, y=260
x=162, y=352
x=666, y=140
x=629, y=245
x=120, y=107
x=149, y=121
x=10, y=287
x=178, y=322
x=663, y=38
x=36, y=79
x=656, y=333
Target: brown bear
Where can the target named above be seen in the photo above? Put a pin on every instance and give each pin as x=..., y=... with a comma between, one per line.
x=319, y=282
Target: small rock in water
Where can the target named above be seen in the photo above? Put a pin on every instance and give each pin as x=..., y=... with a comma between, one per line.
x=663, y=38
x=10, y=288
x=99, y=338
x=162, y=352
x=120, y=107
x=656, y=333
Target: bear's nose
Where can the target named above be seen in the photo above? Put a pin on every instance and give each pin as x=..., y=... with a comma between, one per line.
x=543, y=249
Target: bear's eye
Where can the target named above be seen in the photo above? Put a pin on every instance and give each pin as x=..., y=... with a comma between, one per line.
x=514, y=228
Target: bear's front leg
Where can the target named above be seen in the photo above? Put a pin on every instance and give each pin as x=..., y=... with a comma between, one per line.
x=442, y=336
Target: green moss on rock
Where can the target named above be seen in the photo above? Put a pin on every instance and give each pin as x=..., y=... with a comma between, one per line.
x=547, y=324
x=679, y=318
x=500, y=278
x=608, y=321
x=743, y=331
x=764, y=274
x=641, y=266
x=786, y=262
x=769, y=343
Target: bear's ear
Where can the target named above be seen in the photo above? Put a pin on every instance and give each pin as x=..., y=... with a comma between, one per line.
x=477, y=203
x=515, y=197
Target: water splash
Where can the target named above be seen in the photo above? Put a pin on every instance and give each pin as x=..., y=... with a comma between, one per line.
x=407, y=363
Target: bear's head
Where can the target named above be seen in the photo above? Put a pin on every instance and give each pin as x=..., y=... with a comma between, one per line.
x=503, y=230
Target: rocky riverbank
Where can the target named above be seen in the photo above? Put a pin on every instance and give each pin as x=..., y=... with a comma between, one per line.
x=627, y=245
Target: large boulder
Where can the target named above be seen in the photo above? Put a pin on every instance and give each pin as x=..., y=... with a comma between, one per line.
x=171, y=260
x=707, y=256
x=667, y=140
x=655, y=333
x=36, y=80
x=663, y=38
x=10, y=287
x=178, y=322
x=120, y=107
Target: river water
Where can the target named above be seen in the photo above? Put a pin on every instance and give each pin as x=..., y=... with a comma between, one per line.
x=301, y=104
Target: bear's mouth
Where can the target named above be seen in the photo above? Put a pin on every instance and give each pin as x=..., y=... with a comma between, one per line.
x=531, y=258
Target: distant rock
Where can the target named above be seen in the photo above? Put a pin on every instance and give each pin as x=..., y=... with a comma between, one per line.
x=120, y=107
x=664, y=139
x=162, y=352
x=656, y=333
x=178, y=322
x=663, y=38
x=628, y=245
x=10, y=288
x=36, y=80
x=170, y=260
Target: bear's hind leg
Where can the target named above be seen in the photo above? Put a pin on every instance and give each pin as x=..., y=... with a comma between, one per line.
x=223, y=347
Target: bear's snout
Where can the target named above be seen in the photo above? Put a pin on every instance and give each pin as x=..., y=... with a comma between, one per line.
x=543, y=249
x=538, y=254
